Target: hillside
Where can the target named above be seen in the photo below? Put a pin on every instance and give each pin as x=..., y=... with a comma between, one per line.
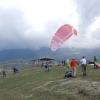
x=35, y=84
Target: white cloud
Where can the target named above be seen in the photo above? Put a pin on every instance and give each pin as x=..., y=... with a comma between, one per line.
x=32, y=23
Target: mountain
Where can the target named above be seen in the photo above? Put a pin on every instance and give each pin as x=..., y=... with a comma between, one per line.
x=60, y=54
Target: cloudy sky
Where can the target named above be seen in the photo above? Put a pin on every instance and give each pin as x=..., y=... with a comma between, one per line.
x=32, y=23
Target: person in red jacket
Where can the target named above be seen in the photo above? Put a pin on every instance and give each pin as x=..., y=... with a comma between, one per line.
x=73, y=65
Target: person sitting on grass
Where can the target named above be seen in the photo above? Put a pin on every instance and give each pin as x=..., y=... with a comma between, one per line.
x=68, y=74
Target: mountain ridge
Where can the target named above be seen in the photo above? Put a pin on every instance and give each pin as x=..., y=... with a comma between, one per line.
x=60, y=54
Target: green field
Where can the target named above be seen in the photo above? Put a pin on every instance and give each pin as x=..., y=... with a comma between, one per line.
x=35, y=84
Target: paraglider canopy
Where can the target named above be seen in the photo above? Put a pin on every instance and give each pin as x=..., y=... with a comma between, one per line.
x=62, y=34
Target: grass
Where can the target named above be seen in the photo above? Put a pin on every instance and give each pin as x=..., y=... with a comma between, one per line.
x=35, y=84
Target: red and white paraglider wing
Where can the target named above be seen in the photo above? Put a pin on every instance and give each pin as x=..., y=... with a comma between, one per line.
x=62, y=34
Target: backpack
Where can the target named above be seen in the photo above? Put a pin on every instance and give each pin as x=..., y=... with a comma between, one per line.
x=45, y=66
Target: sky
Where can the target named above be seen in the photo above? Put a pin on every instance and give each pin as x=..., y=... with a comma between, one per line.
x=31, y=24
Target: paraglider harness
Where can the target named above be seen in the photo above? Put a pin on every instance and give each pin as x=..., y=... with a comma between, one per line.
x=46, y=66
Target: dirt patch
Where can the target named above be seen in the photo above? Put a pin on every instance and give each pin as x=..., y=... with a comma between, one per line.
x=48, y=82
x=1, y=81
x=73, y=81
x=27, y=97
x=82, y=84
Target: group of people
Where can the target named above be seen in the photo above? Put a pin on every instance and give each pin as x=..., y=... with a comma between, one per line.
x=73, y=63
x=15, y=70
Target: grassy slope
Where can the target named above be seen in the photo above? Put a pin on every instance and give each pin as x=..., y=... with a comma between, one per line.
x=36, y=84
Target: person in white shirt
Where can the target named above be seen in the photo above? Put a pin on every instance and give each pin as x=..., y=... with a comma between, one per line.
x=83, y=62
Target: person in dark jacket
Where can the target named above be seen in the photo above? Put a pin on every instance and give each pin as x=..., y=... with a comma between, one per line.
x=4, y=73
x=14, y=70
x=68, y=74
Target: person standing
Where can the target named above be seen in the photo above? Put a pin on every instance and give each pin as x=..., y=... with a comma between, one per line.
x=64, y=63
x=47, y=66
x=42, y=65
x=68, y=65
x=95, y=61
x=73, y=65
x=83, y=61
x=14, y=70
x=4, y=73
